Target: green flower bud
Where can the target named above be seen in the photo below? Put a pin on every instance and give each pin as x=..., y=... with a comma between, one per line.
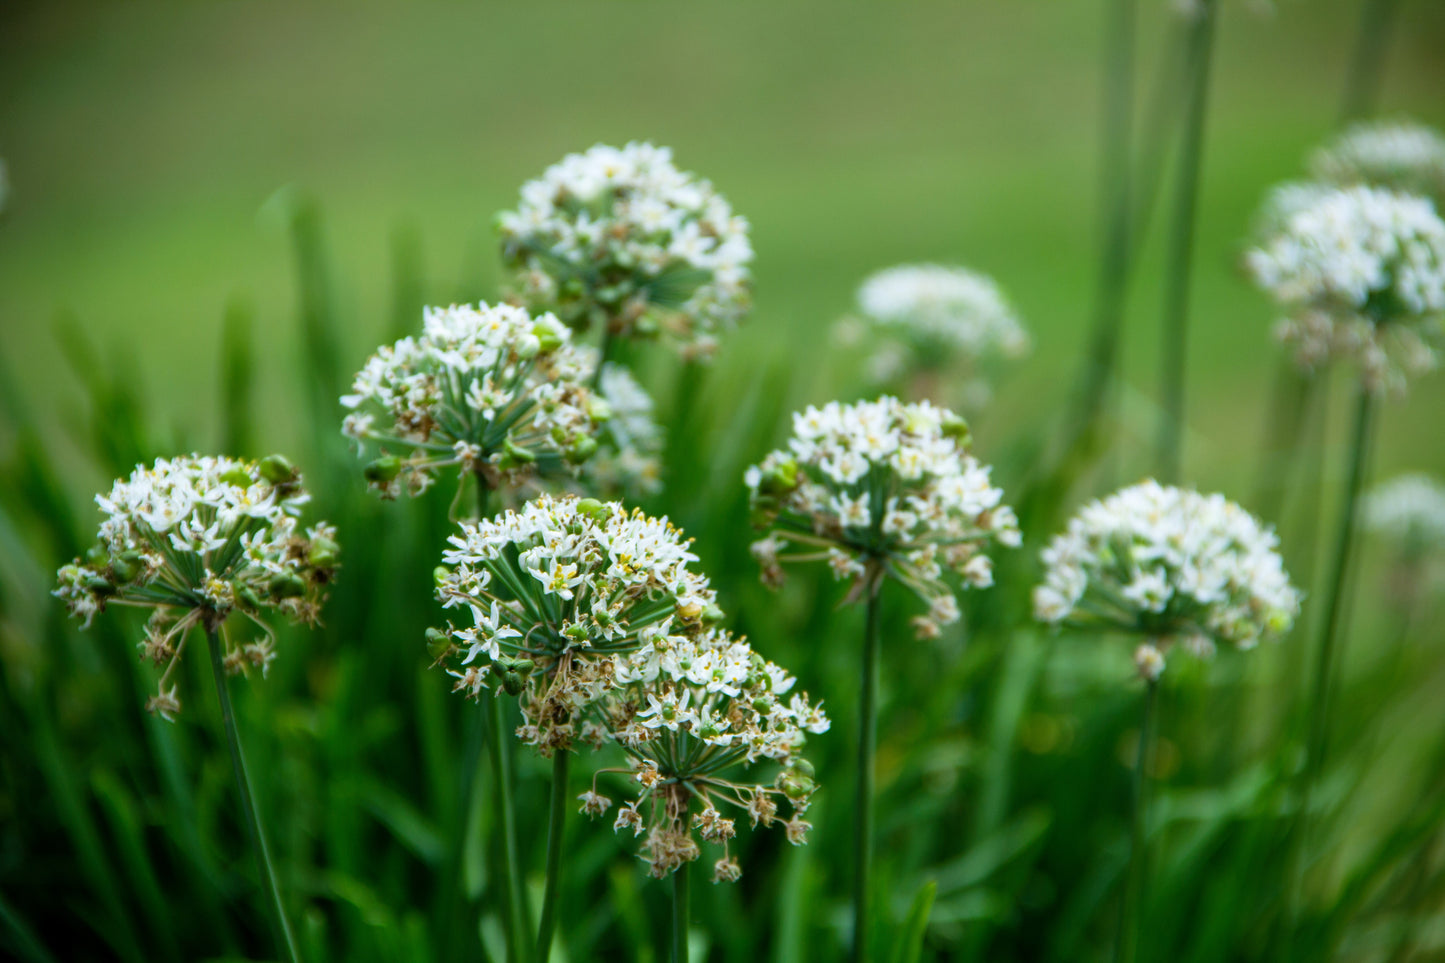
x=248, y=597
x=956, y=428
x=712, y=615
x=515, y=454
x=124, y=569
x=781, y=479
x=96, y=556
x=438, y=644
x=383, y=470
x=323, y=553
x=796, y=786
x=99, y=586
x=528, y=347
x=288, y=586
x=577, y=632
x=513, y=683
x=599, y=410
x=277, y=469
x=592, y=508
x=580, y=450
x=547, y=339
x=238, y=477
x=439, y=575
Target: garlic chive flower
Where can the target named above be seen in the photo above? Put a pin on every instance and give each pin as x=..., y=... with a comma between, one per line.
x=1171, y=565
x=197, y=539
x=620, y=239
x=877, y=489
x=1399, y=155
x=689, y=712
x=941, y=315
x=485, y=389
x=551, y=593
x=1409, y=509
x=1361, y=275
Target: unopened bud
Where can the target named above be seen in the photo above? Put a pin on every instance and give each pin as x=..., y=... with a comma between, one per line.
x=277, y=469
x=383, y=470
x=581, y=450
x=288, y=586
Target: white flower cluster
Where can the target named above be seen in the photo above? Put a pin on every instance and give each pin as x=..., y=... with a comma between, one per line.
x=1409, y=508
x=554, y=591
x=620, y=238
x=628, y=458
x=1400, y=155
x=1361, y=272
x=882, y=488
x=688, y=711
x=487, y=389
x=196, y=538
x=942, y=311
x=1170, y=564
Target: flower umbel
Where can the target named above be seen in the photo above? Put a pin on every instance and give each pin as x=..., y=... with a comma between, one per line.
x=619, y=238
x=196, y=539
x=487, y=389
x=878, y=489
x=1399, y=155
x=1169, y=564
x=689, y=711
x=555, y=591
x=1361, y=273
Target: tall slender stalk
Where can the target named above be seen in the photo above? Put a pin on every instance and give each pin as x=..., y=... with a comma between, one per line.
x=504, y=786
x=1136, y=881
x=863, y=811
x=1290, y=401
x=248, y=803
x=556, y=823
x=679, y=914
x=1331, y=644
x=1181, y=243
x=1362, y=87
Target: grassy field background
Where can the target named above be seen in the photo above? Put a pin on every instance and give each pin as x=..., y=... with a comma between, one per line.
x=156, y=156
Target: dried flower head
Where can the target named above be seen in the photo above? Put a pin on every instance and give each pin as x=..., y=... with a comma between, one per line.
x=555, y=591
x=1399, y=155
x=196, y=539
x=621, y=239
x=1172, y=565
x=692, y=710
x=1361, y=273
x=488, y=389
x=1409, y=509
x=942, y=315
x=881, y=488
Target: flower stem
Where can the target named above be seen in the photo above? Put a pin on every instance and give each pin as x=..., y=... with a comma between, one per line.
x=555, y=826
x=679, y=914
x=1136, y=882
x=1181, y=243
x=863, y=810
x=1330, y=648
x=1290, y=399
x=512, y=888
x=248, y=803
x=1363, y=85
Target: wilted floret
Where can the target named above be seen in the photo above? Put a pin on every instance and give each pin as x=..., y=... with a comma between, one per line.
x=197, y=538
x=690, y=712
x=1361, y=273
x=623, y=240
x=878, y=489
x=1399, y=155
x=554, y=592
x=1172, y=565
x=487, y=389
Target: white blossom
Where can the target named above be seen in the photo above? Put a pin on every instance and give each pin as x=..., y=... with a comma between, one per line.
x=488, y=389
x=1399, y=155
x=1409, y=509
x=1360, y=272
x=881, y=487
x=949, y=309
x=620, y=238
x=1170, y=564
x=196, y=538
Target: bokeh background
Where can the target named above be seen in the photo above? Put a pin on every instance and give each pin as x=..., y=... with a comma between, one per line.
x=170, y=164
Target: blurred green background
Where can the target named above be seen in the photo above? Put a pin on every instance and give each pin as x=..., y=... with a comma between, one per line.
x=158, y=156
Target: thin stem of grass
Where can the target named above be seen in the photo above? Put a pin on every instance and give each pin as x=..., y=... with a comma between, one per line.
x=679, y=914
x=1136, y=880
x=556, y=824
x=1181, y=243
x=1290, y=399
x=863, y=810
x=248, y=803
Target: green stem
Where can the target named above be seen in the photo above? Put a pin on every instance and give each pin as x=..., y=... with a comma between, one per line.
x=1136, y=882
x=513, y=890
x=248, y=803
x=555, y=827
x=1181, y=244
x=863, y=809
x=1290, y=398
x=1363, y=85
x=1330, y=648
x=679, y=914
x=604, y=351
